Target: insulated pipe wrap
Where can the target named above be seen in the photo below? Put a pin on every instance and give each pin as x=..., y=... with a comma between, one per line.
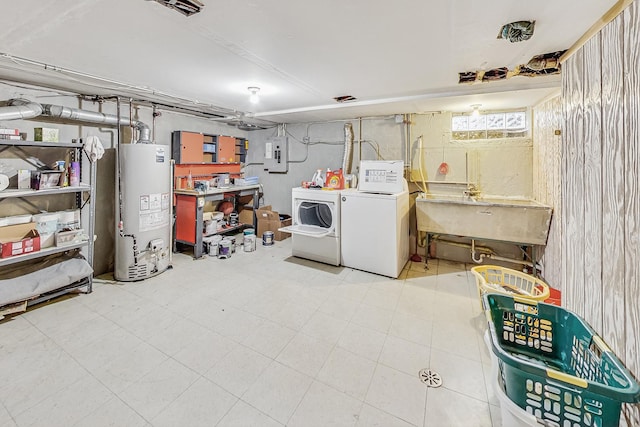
x=347, y=159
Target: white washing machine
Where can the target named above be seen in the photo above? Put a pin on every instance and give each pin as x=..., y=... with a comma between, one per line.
x=375, y=231
x=315, y=226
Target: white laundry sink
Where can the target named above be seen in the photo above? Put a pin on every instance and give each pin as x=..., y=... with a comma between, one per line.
x=510, y=220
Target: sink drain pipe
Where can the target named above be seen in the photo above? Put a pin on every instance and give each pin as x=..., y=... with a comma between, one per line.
x=491, y=255
x=478, y=254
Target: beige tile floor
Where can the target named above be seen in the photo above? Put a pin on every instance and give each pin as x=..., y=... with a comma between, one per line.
x=260, y=339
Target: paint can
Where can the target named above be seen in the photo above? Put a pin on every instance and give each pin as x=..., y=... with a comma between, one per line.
x=248, y=231
x=233, y=219
x=249, y=242
x=232, y=239
x=267, y=238
x=224, y=249
x=212, y=244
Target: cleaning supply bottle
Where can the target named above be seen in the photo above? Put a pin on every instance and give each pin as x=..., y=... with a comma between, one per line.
x=190, y=181
x=318, y=179
x=335, y=179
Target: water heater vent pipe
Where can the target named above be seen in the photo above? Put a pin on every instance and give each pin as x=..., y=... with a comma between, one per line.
x=20, y=109
x=96, y=117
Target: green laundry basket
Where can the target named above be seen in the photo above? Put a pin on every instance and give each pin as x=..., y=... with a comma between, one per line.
x=554, y=365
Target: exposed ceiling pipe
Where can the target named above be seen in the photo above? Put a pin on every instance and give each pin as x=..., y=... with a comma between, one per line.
x=20, y=109
x=95, y=117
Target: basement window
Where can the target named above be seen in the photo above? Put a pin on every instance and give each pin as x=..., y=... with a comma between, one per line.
x=489, y=125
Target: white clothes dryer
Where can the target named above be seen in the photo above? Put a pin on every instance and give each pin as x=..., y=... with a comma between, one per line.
x=315, y=226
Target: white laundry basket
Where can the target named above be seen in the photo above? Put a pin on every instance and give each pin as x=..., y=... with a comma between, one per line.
x=511, y=414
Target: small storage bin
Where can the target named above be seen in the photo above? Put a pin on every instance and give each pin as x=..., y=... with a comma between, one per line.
x=69, y=219
x=553, y=364
x=46, y=222
x=15, y=219
x=493, y=278
x=70, y=237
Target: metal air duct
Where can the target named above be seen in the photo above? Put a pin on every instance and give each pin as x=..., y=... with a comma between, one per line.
x=95, y=117
x=347, y=159
x=20, y=109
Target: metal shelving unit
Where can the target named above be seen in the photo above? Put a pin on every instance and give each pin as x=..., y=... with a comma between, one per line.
x=8, y=193
x=42, y=253
x=85, y=196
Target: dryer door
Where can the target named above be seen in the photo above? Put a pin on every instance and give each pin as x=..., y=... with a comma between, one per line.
x=313, y=218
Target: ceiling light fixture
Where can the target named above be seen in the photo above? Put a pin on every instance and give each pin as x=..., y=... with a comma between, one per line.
x=476, y=111
x=253, y=98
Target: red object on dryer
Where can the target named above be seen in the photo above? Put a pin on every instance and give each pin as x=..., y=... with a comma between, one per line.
x=334, y=179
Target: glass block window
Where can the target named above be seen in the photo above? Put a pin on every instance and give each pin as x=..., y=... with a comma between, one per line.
x=493, y=125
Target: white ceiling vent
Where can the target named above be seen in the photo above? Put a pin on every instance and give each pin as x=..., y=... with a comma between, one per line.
x=186, y=7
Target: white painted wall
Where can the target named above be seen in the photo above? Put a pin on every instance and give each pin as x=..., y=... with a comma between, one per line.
x=325, y=149
x=501, y=168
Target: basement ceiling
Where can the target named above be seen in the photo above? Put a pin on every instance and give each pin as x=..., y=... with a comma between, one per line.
x=393, y=57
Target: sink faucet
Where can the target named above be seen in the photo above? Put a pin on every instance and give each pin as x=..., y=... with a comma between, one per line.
x=471, y=191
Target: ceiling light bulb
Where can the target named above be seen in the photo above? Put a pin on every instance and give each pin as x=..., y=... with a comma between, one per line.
x=476, y=111
x=253, y=98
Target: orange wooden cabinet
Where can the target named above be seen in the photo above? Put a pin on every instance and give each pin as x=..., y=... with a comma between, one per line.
x=194, y=147
x=187, y=147
x=227, y=149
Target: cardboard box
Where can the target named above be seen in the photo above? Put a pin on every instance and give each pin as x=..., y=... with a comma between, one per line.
x=63, y=238
x=269, y=220
x=245, y=215
x=245, y=209
x=42, y=180
x=24, y=179
x=19, y=239
x=45, y=134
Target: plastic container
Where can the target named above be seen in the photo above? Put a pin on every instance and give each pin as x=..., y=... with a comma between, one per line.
x=74, y=174
x=63, y=238
x=554, y=365
x=46, y=223
x=16, y=219
x=555, y=297
x=318, y=178
x=493, y=278
x=334, y=179
x=69, y=219
x=267, y=238
x=224, y=249
x=249, y=243
x=511, y=415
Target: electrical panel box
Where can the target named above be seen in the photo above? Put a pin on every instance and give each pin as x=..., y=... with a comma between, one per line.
x=276, y=154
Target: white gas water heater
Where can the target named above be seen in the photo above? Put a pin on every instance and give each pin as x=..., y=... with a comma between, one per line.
x=143, y=211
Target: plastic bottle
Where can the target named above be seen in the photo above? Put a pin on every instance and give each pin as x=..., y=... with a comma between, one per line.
x=335, y=179
x=189, y=181
x=317, y=179
x=74, y=174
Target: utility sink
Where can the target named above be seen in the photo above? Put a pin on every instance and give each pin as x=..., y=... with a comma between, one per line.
x=510, y=220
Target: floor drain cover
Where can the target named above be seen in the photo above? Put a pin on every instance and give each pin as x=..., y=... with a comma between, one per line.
x=430, y=378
